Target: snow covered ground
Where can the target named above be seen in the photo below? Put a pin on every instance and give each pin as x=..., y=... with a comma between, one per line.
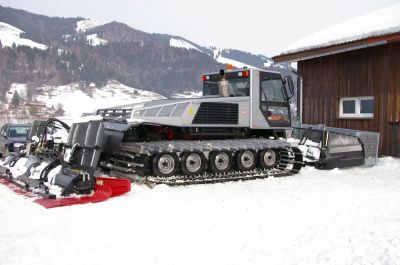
x=333, y=217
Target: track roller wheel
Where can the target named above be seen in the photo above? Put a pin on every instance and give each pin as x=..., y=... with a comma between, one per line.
x=165, y=164
x=192, y=163
x=268, y=158
x=246, y=160
x=220, y=161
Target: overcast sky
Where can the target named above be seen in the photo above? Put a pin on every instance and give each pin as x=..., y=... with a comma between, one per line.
x=257, y=26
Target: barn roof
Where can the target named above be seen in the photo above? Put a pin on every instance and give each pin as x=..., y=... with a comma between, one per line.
x=372, y=29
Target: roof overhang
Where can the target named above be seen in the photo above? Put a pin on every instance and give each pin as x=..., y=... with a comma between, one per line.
x=339, y=48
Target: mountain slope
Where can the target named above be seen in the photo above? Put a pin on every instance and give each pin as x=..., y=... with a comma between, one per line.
x=39, y=28
x=90, y=51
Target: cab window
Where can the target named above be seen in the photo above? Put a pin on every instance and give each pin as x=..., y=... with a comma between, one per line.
x=239, y=86
x=273, y=90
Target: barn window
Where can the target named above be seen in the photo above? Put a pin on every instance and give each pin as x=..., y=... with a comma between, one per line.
x=349, y=106
x=356, y=107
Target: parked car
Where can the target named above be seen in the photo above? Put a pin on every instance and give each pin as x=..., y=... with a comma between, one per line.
x=12, y=137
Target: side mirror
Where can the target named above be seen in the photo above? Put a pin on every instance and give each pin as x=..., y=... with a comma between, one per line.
x=289, y=86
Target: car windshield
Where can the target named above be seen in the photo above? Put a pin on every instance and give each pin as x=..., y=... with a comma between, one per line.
x=18, y=131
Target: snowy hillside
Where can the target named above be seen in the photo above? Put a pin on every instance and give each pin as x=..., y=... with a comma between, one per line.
x=219, y=58
x=10, y=35
x=94, y=40
x=180, y=43
x=87, y=24
x=19, y=88
x=317, y=217
x=75, y=101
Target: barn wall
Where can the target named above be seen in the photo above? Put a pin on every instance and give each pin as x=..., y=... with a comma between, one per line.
x=372, y=71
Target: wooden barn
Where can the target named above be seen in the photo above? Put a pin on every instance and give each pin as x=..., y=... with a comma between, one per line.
x=351, y=75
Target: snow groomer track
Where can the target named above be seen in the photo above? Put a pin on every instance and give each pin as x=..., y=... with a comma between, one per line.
x=243, y=159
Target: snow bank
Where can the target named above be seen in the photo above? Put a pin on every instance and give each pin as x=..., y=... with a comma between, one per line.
x=381, y=22
x=87, y=24
x=317, y=217
x=10, y=35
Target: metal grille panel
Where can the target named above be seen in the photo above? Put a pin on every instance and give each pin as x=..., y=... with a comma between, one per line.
x=217, y=113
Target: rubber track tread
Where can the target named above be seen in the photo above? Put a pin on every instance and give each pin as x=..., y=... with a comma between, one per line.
x=290, y=159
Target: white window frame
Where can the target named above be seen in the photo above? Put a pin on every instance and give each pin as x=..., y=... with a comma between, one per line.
x=357, y=113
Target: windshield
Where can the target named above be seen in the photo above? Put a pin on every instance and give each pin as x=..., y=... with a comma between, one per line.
x=240, y=86
x=273, y=90
x=18, y=131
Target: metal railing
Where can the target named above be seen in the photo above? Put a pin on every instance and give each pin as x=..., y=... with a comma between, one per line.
x=125, y=113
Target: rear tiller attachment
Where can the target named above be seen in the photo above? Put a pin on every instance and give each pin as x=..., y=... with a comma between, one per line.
x=61, y=172
x=327, y=148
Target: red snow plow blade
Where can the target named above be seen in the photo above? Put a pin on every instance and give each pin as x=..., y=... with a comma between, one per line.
x=104, y=188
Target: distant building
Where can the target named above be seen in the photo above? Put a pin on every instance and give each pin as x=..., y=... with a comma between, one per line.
x=351, y=74
x=37, y=105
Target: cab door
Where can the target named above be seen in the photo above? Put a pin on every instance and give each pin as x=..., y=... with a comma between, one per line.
x=274, y=102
